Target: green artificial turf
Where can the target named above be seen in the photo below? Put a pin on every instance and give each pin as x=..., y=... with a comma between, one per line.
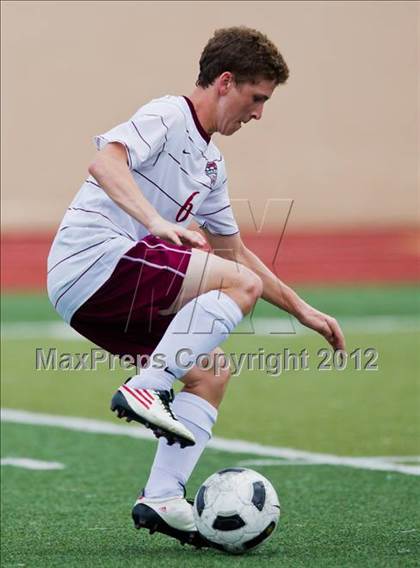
x=340, y=301
x=80, y=516
x=349, y=412
x=332, y=516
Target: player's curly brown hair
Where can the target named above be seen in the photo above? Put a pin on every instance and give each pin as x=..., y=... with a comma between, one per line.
x=245, y=52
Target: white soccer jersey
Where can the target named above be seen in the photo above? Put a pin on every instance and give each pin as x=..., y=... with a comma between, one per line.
x=178, y=169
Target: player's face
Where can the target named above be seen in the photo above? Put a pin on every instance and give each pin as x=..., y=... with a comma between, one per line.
x=241, y=103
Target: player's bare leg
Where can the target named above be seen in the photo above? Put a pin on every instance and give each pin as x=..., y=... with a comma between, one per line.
x=210, y=382
x=206, y=272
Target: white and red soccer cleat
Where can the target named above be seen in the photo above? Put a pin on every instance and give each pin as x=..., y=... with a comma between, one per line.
x=172, y=516
x=152, y=408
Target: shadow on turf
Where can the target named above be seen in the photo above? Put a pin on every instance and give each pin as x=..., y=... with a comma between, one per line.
x=173, y=550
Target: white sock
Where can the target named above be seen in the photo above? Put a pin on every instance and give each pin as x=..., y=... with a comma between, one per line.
x=199, y=327
x=172, y=465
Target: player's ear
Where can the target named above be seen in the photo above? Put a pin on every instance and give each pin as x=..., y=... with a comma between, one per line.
x=225, y=81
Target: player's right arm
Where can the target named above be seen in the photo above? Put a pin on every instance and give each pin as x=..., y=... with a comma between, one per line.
x=111, y=171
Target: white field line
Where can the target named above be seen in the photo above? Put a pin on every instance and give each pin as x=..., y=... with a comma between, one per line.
x=230, y=446
x=382, y=463
x=28, y=463
x=256, y=326
x=39, y=330
x=400, y=459
x=246, y=463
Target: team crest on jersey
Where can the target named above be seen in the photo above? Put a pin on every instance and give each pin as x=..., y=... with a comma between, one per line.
x=211, y=171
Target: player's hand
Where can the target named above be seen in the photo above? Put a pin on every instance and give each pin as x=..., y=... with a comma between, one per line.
x=324, y=324
x=175, y=234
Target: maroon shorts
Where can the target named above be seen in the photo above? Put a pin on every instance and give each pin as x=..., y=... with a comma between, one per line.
x=123, y=316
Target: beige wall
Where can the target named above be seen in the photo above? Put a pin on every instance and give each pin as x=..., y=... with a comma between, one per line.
x=340, y=139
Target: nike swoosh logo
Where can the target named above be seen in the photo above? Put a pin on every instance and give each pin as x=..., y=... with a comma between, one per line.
x=185, y=152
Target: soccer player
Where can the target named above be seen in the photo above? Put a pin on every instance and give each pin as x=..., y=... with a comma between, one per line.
x=127, y=273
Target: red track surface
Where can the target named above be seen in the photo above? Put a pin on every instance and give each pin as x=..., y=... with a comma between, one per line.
x=303, y=258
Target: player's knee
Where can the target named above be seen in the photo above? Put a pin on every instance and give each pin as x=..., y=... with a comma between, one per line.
x=257, y=287
x=252, y=288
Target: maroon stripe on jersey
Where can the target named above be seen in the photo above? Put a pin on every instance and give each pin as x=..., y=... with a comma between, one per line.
x=79, y=252
x=127, y=149
x=77, y=280
x=219, y=159
x=158, y=156
x=214, y=212
x=137, y=130
x=186, y=173
x=123, y=234
x=93, y=183
x=163, y=122
x=205, y=135
x=177, y=161
x=162, y=190
x=203, y=226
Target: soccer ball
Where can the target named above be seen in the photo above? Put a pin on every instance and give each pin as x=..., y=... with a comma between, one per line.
x=236, y=509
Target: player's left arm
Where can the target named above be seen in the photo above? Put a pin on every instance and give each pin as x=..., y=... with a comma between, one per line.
x=275, y=291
